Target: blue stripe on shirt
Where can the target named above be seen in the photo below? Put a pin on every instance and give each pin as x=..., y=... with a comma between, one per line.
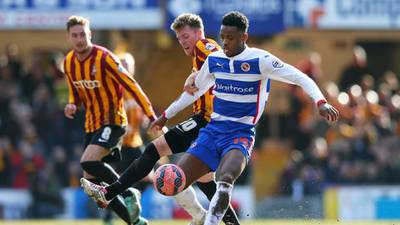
x=234, y=109
x=217, y=64
x=236, y=87
x=250, y=66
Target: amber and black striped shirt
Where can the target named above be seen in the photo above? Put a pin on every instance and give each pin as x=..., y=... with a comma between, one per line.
x=204, y=105
x=98, y=82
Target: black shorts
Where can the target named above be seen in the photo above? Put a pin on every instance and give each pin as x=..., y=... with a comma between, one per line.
x=108, y=136
x=180, y=137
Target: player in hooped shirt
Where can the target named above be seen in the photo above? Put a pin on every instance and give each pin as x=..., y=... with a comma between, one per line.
x=241, y=76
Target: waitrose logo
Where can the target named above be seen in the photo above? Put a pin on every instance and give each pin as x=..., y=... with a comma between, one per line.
x=229, y=88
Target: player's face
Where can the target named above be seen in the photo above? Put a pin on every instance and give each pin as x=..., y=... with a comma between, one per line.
x=187, y=38
x=233, y=40
x=80, y=38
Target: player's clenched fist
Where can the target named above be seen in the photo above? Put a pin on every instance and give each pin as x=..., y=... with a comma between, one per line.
x=189, y=85
x=330, y=113
x=70, y=110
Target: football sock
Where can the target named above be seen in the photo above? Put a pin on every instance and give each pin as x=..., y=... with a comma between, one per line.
x=209, y=190
x=219, y=203
x=103, y=171
x=100, y=170
x=117, y=205
x=136, y=171
x=187, y=200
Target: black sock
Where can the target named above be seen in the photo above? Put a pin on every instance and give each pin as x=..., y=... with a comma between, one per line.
x=136, y=171
x=209, y=190
x=116, y=205
x=100, y=170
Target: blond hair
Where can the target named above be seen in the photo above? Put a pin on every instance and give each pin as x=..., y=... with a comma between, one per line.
x=189, y=19
x=77, y=20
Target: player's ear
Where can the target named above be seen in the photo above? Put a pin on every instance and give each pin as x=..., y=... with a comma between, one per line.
x=67, y=36
x=245, y=36
x=90, y=35
x=200, y=32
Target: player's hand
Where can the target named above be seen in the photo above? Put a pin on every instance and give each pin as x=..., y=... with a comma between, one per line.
x=70, y=110
x=158, y=124
x=189, y=86
x=330, y=113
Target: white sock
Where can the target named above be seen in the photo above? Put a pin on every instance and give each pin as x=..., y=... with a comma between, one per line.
x=219, y=203
x=187, y=199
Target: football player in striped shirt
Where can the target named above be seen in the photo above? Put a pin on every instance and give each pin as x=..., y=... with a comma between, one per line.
x=189, y=31
x=96, y=80
x=241, y=76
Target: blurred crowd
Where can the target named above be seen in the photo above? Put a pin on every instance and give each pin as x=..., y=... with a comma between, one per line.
x=362, y=148
x=40, y=149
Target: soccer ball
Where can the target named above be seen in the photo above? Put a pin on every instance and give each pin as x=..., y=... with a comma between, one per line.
x=169, y=179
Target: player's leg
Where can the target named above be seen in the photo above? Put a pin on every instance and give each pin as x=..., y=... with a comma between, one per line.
x=96, y=171
x=230, y=168
x=132, y=202
x=208, y=186
x=193, y=168
x=140, y=167
x=174, y=141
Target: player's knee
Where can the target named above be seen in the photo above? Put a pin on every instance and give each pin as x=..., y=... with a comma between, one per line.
x=89, y=166
x=226, y=177
x=93, y=153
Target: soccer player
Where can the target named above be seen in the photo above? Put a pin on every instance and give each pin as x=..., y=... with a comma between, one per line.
x=241, y=76
x=132, y=143
x=96, y=79
x=189, y=31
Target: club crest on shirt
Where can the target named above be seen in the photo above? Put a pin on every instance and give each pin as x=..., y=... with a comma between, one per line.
x=277, y=63
x=209, y=46
x=245, y=66
x=94, y=71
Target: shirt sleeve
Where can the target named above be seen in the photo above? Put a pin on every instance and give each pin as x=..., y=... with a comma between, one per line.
x=121, y=75
x=272, y=67
x=204, y=81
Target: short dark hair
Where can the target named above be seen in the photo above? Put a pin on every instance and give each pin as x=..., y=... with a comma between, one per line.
x=236, y=19
x=76, y=20
x=190, y=19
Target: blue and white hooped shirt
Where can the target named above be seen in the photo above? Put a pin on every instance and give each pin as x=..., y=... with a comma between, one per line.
x=242, y=85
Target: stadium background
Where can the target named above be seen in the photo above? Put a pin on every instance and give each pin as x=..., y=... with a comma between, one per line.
x=300, y=168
